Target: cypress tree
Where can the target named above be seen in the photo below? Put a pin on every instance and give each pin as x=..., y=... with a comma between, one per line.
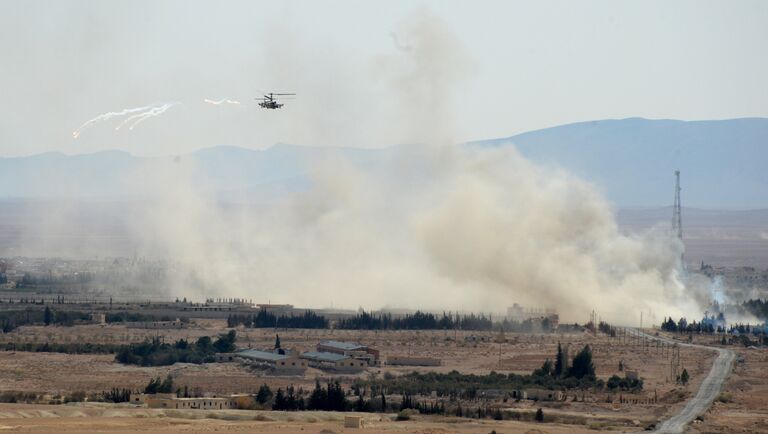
x=559, y=362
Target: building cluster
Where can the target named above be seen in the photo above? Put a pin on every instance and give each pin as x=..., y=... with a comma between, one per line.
x=541, y=320
x=336, y=356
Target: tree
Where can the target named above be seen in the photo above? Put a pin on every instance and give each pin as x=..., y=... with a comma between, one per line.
x=48, y=316
x=277, y=342
x=318, y=399
x=166, y=386
x=582, y=364
x=545, y=370
x=539, y=415
x=336, y=399
x=684, y=377
x=383, y=403
x=264, y=394
x=153, y=385
x=559, y=362
x=204, y=344
x=279, y=400
x=226, y=343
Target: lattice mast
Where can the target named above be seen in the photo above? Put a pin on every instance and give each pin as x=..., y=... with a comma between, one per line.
x=677, y=215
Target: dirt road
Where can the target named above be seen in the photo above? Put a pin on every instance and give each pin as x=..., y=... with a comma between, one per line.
x=708, y=390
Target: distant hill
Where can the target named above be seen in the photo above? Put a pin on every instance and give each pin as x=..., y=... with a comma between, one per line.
x=723, y=164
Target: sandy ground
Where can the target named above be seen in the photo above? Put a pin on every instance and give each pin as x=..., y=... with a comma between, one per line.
x=744, y=404
x=61, y=374
x=25, y=418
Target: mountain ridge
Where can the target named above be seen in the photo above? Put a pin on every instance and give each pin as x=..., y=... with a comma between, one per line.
x=630, y=160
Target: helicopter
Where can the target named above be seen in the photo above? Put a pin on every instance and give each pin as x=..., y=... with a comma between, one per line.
x=268, y=101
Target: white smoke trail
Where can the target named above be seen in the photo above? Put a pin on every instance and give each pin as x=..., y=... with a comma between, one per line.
x=141, y=117
x=107, y=116
x=139, y=113
x=221, y=101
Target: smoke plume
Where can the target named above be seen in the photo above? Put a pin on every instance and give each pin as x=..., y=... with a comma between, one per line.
x=431, y=226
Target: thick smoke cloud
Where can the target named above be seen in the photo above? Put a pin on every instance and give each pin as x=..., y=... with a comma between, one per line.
x=473, y=229
x=433, y=226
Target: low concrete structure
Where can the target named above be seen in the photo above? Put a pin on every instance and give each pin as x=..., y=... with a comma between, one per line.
x=413, y=361
x=544, y=395
x=353, y=421
x=333, y=361
x=141, y=398
x=351, y=349
x=170, y=400
x=278, y=364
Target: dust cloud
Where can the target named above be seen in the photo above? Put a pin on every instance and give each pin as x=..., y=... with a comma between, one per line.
x=433, y=225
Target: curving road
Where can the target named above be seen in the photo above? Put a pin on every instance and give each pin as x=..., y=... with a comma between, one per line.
x=708, y=390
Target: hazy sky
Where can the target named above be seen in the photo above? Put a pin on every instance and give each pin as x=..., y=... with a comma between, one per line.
x=523, y=66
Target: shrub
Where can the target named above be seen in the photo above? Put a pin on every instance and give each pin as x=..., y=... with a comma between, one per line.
x=725, y=397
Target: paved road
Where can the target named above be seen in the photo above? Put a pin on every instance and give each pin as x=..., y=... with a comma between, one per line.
x=708, y=390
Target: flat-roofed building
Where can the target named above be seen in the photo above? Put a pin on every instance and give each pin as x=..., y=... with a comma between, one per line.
x=351, y=349
x=334, y=361
x=544, y=395
x=280, y=364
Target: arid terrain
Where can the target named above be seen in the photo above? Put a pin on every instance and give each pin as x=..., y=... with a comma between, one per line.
x=467, y=352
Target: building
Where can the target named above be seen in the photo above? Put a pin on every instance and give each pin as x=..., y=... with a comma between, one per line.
x=413, y=361
x=334, y=361
x=279, y=364
x=543, y=395
x=541, y=320
x=350, y=349
x=353, y=421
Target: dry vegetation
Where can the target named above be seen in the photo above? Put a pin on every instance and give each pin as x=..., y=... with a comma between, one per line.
x=62, y=374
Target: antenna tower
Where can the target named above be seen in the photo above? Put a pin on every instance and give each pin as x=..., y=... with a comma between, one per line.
x=677, y=216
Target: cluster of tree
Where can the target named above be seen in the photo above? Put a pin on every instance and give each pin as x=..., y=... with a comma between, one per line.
x=580, y=375
x=289, y=400
x=606, y=328
x=116, y=395
x=66, y=348
x=581, y=366
x=747, y=329
x=116, y=317
x=757, y=307
x=63, y=317
x=683, y=326
x=10, y=320
x=156, y=353
x=48, y=279
x=423, y=407
x=264, y=319
x=333, y=397
x=416, y=321
x=156, y=385
x=618, y=383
